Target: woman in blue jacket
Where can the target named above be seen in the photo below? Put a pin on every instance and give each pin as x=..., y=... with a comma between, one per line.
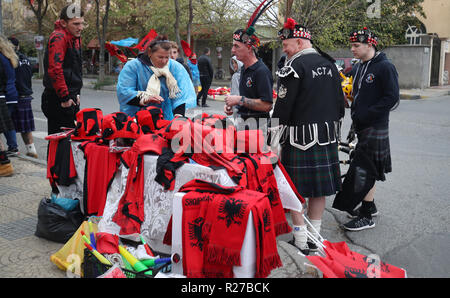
x=152, y=79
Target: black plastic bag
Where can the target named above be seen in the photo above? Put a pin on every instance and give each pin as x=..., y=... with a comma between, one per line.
x=55, y=223
x=358, y=181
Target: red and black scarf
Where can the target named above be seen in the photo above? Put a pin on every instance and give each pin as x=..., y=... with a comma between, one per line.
x=60, y=164
x=101, y=167
x=130, y=213
x=214, y=224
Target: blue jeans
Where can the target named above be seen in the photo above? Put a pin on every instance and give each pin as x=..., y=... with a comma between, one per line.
x=11, y=138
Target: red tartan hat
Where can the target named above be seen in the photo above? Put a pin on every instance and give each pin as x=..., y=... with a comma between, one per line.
x=89, y=125
x=120, y=125
x=293, y=30
x=364, y=36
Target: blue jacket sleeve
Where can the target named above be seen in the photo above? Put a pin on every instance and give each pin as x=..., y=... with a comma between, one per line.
x=11, y=92
x=187, y=94
x=127, y=83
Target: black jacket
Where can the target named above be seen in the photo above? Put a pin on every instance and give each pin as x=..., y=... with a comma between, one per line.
x=205, y=67
x=376, y=92
x=315, y=96
x=24, y=75
x=63, y=64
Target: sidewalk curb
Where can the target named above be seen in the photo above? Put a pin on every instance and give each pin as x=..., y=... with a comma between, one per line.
x=31, y=159
x=411, y=96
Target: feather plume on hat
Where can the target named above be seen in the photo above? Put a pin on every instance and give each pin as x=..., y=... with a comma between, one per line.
x=247, y=35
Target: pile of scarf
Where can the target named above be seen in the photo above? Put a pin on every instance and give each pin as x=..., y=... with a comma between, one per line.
x=213, y=229
x=251, y=171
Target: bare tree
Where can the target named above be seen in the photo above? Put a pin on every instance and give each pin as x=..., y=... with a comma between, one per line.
x=101, y=35
x=190, y=20
x=39, y=8
x=177, y=23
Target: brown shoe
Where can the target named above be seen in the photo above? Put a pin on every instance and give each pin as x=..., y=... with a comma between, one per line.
x=31, y=154
x=6, y=170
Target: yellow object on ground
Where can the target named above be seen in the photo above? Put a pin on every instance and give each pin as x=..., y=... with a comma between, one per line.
x=71, y=255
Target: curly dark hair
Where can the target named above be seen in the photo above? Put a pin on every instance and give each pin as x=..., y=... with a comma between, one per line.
x=161, y=41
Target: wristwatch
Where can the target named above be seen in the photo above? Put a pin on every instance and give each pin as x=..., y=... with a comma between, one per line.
x=241, y=102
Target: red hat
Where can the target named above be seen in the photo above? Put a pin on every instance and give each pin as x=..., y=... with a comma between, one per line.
x=153, y=143
x=150, y=119
x=120, y=125
x=89, y=124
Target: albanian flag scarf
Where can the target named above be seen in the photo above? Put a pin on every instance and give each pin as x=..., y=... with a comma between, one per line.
x=195, y=206
x=219, y=223
x=259, y=176
x=268, y=185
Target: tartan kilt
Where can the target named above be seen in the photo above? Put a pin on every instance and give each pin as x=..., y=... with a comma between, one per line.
x=6, y=123
x=316, y=171
x=22, y=116
x=375, y=143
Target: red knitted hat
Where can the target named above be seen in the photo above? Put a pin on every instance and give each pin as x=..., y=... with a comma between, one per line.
x=120, y=125
x=89, y=124
x=150, y=119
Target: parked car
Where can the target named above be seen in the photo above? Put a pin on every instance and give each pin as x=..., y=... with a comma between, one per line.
x=345, y=63
x=34, y=64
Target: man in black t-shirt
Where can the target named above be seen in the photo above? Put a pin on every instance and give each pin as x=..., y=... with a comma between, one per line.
x=255, y=87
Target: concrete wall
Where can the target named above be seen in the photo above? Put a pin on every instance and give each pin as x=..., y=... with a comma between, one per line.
x=412, y=63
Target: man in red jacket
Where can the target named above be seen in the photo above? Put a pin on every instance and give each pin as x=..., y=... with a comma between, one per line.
x=63, y=70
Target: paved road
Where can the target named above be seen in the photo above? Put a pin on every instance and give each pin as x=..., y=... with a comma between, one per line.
x=413, y=230
x=413, y=227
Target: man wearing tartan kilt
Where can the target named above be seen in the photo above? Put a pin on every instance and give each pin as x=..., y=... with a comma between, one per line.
x=309, y=107
x=376, y=92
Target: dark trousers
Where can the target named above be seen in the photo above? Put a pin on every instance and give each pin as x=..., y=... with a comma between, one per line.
x=57, y=116
x=203, y=94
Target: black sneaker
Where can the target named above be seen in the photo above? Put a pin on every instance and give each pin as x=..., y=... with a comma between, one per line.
x=12, y=152
x=359, y=224
x=355, y=213
x=312, y=247
x=4, y=158
x=304, y=251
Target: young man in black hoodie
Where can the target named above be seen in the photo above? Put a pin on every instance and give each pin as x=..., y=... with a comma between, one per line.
x=375, y=93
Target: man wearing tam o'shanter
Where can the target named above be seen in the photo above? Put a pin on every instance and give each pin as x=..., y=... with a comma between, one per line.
x=255, y=97
x=309, y=107
x=375, y=93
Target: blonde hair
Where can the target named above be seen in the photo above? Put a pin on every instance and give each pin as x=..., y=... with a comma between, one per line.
x=7, y=49
x=173, y=45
